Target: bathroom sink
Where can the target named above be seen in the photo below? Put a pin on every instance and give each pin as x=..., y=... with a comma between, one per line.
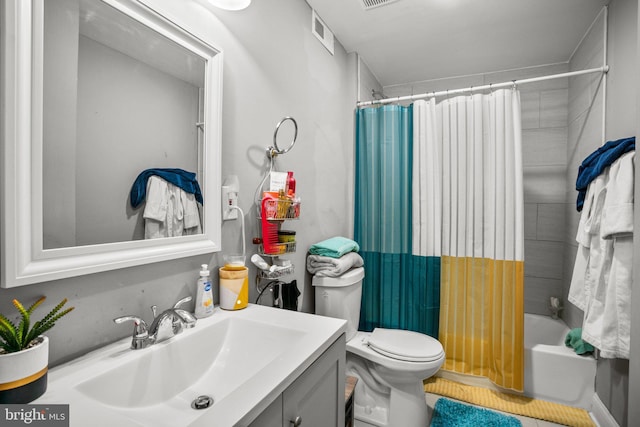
x=224, y=355
x=241, y=359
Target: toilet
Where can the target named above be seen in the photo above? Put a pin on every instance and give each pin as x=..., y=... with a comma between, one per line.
x=390, y=364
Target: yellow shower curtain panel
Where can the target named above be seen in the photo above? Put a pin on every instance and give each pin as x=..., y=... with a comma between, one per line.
x=481, y=318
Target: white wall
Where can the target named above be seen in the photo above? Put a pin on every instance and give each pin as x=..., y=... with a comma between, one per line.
x=273, y=67
x=368, y=82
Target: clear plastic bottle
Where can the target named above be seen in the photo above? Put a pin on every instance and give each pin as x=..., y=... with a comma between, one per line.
x=204, y=297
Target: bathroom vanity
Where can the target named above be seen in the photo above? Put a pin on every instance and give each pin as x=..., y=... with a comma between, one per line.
x=311, y=399
x=261, y=366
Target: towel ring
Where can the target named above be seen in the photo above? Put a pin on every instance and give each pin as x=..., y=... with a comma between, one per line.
x=274, y=150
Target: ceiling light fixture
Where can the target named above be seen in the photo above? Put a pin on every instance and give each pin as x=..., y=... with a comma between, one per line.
x=230, y=4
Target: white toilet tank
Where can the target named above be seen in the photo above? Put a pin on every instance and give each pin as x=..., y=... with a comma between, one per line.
x=340, y=297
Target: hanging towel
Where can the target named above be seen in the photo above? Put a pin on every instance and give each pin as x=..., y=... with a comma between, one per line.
x=178, y=177
x=290, y=294
x=334, y=247
x=169, y=210
x=597, y=161
x=333, y=267
x=575, y=341
x=603, y=271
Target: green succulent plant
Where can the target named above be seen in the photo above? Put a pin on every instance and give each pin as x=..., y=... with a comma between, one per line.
x=15, y=338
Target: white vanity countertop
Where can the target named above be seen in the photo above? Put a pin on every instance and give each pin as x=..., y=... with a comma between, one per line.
x=243, y=359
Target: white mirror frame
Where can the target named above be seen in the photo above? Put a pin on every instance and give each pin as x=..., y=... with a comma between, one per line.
x=24, y=261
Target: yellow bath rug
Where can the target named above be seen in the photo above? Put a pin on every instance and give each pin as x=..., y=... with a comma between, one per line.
x=512, y=403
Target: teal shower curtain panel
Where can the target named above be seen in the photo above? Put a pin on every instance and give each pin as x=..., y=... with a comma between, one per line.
x=401, y=289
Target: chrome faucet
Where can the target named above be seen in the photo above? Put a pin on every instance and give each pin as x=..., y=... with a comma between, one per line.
x=167, y=324
x=188, y=318
x=140, y=338
x=555, y=306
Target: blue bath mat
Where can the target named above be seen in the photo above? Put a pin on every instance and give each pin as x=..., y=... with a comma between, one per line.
x=448, y=413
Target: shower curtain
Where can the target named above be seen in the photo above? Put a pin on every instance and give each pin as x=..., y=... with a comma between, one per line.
x=479, y=142
x=401, y=287
x=439, y=216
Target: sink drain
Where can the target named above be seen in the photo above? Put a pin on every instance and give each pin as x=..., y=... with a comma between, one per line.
x=202, y=402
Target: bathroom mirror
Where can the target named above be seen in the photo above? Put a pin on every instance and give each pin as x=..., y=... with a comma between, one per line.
x=95, y=92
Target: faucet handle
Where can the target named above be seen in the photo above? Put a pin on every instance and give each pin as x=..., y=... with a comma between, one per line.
x=140, y=338
x=188, y=318
x=182, y=301
x=140, y=327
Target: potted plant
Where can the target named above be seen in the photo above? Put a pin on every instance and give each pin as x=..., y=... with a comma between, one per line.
x=24, y=353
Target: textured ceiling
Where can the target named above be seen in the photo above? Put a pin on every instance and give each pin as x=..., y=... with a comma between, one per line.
x=413, y=40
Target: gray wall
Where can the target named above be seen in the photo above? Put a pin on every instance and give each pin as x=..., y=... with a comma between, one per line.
x=273, y=67
x=634, y=362
x=585, y=135
x=154, y=111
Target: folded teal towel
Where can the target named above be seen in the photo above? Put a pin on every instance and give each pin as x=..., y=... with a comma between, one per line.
x=575, y=341
x=334, y=247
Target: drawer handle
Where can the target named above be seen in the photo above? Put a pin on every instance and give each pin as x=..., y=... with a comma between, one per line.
x=297, y=422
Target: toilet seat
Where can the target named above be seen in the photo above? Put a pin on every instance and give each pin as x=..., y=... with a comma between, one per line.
x=405, y=345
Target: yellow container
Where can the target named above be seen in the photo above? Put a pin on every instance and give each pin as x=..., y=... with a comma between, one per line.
x=234, y=287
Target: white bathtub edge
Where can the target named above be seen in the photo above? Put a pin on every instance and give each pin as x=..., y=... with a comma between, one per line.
x=600, y=414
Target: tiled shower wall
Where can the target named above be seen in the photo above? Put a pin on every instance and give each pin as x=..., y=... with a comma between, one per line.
x=585, y=135
x=544, y=107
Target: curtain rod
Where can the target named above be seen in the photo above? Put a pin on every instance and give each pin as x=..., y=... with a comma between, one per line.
x=604, y=69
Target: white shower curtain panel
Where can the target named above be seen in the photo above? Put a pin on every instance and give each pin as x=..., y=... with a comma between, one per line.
x=468, y=208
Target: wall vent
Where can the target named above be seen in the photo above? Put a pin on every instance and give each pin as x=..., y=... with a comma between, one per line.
x=371, y=4
x=321, y=31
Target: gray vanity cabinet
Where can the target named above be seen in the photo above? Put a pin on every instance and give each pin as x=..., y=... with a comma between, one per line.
x=270, y=417
x=315, y=398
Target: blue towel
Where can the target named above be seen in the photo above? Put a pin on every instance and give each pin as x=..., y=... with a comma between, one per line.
x=598, y=161
x=334, y=247
x=178, y=177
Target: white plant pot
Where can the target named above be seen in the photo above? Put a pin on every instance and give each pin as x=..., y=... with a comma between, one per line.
x=23, y=375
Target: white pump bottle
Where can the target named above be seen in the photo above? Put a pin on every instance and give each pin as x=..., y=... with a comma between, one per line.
x=204, y=297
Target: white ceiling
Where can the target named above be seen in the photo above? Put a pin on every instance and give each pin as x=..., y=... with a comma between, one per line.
x=413, y=40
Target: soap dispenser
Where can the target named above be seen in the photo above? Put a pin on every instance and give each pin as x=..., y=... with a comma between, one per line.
x=204, y=297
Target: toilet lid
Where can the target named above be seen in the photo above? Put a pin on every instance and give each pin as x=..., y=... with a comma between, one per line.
x=405, y=345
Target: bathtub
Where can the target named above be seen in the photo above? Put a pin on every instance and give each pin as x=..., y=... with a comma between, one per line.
x=553, y=371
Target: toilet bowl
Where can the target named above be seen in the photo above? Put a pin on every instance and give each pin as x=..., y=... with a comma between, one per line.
x=390, y=364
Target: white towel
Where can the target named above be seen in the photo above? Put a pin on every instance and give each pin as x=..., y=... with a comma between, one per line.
x=169, y=210
x=602, y=277
x=333, y=267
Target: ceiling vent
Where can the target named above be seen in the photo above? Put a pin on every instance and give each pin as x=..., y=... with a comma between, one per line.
x=371, y=4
